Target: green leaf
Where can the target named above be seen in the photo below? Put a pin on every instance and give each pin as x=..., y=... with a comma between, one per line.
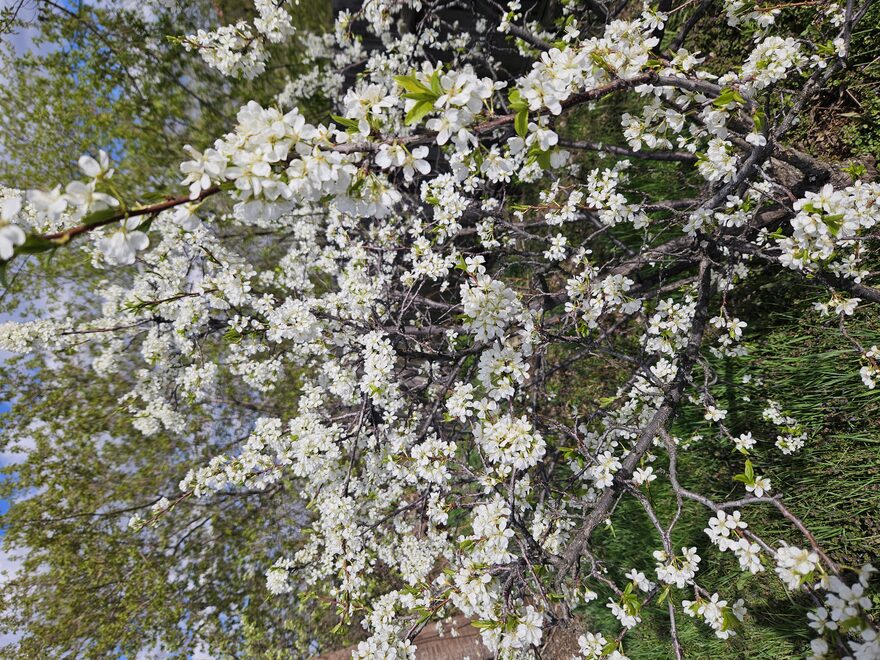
x=728, y=619
x=344, y=121
x=436, y=87
x=855, y=170
x=663, y=595
x=418, y=112
x=750, y=471
x=151, y=198
x=728, y=95
x=517, y=102
x=3, y=280
x=743, y=580
x=609, y=648
x=521, y=123
x=543, y=159
x=568, y=452
x=421, y=96
x=833, y=222
x=410, y=84
x=760, y=119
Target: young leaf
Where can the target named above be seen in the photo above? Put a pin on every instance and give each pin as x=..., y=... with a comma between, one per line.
x=436, y=87
x=411, y=84
x=421, y=96
x=344, y=121
x=521, y=123
x=663, y=595
x=517, y=102
x=728, y=95
x=418, y=111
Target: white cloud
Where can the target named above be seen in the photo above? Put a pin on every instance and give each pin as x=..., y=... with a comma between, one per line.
x=9, y=567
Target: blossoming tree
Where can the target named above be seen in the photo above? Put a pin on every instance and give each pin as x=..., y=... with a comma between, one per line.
x=425, y=269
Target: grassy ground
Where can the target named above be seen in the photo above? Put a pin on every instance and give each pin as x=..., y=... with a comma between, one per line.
x=833, y=483
x=796, y=358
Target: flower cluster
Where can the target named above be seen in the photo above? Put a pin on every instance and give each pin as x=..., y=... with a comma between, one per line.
x=716, y=613
x=240, y=49
x=826, y=229
x=844, y=616
x=796, y=566
x=679, y=570
x=511, y=442
x=10, y=233
x=723, y=531
x=793, y=435
x=489, y=307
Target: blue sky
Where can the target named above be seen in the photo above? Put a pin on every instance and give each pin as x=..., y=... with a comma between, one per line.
x=4, y=506
x=6, y=562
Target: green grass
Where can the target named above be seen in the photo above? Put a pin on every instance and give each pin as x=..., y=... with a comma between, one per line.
x=833, y=483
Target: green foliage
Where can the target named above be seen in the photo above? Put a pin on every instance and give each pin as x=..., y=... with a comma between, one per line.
x=862, y=87
x=521, y=110
x=863, y=136
x=89, y=587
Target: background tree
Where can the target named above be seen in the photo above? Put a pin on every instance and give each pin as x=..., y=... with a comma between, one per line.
x=108, y=76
